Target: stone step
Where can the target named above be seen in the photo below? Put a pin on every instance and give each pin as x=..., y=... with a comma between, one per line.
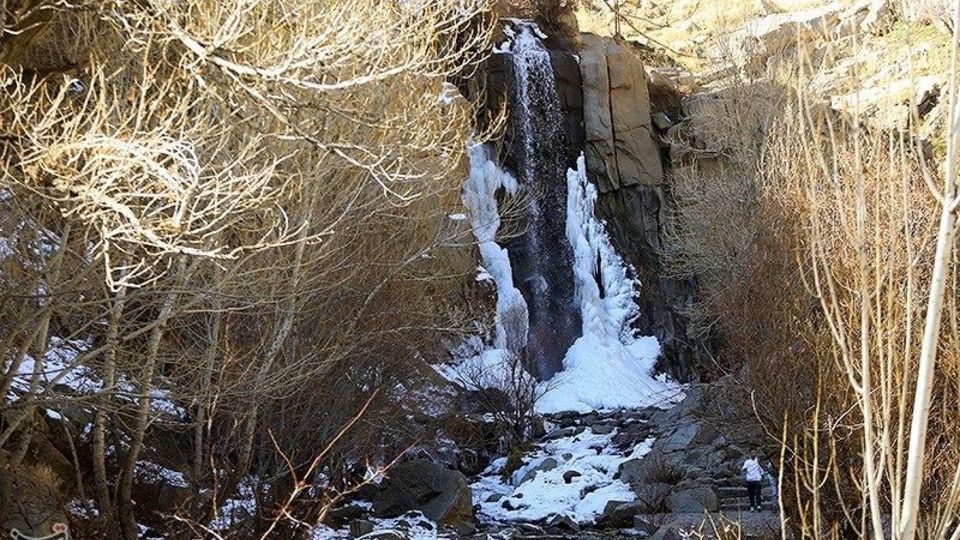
x=739, y=491
x=745, y=505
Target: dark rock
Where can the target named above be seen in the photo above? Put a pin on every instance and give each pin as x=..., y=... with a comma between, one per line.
x=693, y=500
x=570, y=475
x=618, y=514
x=509, y=504
x=634, y=470
x=495, y=497
x=344, y=514
x=529, y=529
x=537, y=428
x=465, y=528
x=644, y=525
x=680, y=438
x=564, y=432
x=667, y=532
x=360, y=527
x=651, y=498
x=547, y=464
x=662, y=121
x=602, y=429
x=562, y=523
x=470, y=463
x=440, y=494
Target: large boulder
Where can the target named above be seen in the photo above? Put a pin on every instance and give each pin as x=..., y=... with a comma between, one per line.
x=440, y=494
x=547, y=464
x=696, y=499
x=621, y=150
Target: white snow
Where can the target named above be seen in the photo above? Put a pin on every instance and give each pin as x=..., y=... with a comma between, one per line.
x=608, y=355
x=411, y=526
x=233, y=511
x=548, y=494
x=85, y=509
x=155, y=473
x=62, y=365
x=492, y=368
x=59, y=365
x=479, y=196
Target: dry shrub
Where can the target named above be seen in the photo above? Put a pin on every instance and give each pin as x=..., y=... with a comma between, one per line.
x=865, y=230
x=813, y=238
x=663, y=471
x=554, y=16
x=246, y=203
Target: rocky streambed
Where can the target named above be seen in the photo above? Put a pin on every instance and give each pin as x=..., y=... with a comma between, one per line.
x=606, y=474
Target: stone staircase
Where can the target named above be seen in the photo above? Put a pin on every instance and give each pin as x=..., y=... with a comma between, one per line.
x=733, y=498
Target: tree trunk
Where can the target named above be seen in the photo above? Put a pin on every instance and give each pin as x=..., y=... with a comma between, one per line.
x=104, y=403
x=203, y=402
x=128, y=523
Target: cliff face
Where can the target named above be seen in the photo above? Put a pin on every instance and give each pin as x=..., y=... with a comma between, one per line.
x=540, y=80
x=606, y=102
x=632, y=173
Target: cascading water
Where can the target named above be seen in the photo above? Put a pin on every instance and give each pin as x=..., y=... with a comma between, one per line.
x=542, y=258
x=564, y=295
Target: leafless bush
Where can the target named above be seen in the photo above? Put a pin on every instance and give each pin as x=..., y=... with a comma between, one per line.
x=245, y=203
x=508, y=392
x=505, y=387
x=839, y=302
x=663, y=471
x=555, y=16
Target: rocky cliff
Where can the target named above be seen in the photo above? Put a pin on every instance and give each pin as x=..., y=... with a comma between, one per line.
x=631, y=171
x=604, y=95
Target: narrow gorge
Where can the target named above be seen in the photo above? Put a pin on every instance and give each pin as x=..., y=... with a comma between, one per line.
x=479, y=269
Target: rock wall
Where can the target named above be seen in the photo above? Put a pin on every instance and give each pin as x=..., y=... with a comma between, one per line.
x=492, y=84
x=540, y=80
x=603, y=89
x=631, y=171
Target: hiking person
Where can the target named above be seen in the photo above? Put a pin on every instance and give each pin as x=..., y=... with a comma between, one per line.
x=753, y=475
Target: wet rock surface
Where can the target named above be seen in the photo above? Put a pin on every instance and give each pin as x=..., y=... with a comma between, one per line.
x=628, y=165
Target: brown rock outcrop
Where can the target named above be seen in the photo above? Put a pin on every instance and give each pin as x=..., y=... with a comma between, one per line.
x=620, y=148
x=624, y=160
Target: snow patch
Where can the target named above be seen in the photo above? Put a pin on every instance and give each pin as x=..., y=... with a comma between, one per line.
x=154, y=473
x=62, y=366
x=233, y=511
x=535, y=497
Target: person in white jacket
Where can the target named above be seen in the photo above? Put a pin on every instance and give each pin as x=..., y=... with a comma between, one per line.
x=753, y=475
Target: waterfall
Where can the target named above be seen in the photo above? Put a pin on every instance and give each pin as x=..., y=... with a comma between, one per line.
x=564, y=295
x=542, y=258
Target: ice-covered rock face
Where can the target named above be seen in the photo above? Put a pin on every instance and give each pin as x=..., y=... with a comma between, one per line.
x=565, y=298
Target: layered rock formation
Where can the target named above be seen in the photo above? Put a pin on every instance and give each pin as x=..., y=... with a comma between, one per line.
x=621, y=151
x=631, y=171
